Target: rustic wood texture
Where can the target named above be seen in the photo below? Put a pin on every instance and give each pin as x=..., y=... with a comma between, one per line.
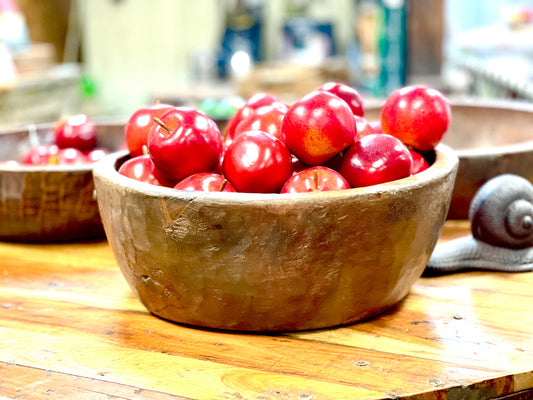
x=72, y=328
x=270, y=262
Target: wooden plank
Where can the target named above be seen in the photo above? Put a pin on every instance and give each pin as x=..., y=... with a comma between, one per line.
x=191, y=377
x=275, y=354
x=71, y=327
x=20, y=382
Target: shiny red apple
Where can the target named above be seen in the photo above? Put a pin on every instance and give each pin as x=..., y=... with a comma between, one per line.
x=419, y=162
x=318, y=126
x=315, y=179
x=267, y=119
x=417, y=115
x=96, y=154
x=376, y=125
x=364, y=127
x=257, y=162
x=347, y=93
x=142, y=168
x=205, y=182
x=138, y=126
x=68, y=156
x=375, y=159
x=40, y=154
x=184, y=141
x=77, y=131
x=249, y=107
x=297, y=164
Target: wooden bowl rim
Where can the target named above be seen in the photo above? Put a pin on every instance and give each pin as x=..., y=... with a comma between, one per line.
x=496, y=104
x=446, y=161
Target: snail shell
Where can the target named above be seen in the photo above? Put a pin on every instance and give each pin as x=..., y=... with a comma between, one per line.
x=501, y=217
x=501, y=212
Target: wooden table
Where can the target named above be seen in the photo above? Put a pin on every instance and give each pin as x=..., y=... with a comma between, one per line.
x=71, y=328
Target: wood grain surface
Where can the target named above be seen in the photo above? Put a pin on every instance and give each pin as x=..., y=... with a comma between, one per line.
x=71, y=328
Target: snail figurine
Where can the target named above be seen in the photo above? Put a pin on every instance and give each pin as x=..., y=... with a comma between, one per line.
x=501, y=218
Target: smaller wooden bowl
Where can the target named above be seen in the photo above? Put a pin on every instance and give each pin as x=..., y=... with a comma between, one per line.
x=49, y=203
x=490, y=137
x=271, y=262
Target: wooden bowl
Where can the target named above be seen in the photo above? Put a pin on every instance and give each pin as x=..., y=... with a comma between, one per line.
x=271, y=262
x=49, y=203
x=490, y=137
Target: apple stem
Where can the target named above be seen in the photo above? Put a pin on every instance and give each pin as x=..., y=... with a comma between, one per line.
x=162, y=125
x=315, y=178
x=145, y=149
x=223, y=185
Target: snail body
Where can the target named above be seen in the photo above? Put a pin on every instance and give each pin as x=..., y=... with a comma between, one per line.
x=501, y=218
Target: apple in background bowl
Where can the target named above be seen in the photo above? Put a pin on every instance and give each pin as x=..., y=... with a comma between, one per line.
x=45, y=194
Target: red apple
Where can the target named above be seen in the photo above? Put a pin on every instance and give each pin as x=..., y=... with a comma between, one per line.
x=257, y=162
x=417, y=115
x=376, y=125
x=266, y=119
x=68, y=156
x=183, y=142
x=142, y=168
x=335, y=162
x=363, y=127
x=138, y=126
x=419, y=162
x=346, y=93
x=318, y=126
x=40, y=154
x=375, y=159
x=315, y=179
x=205, y=182
x=77, y=131
x=96, y=154
x=297, y=164
x=254, y=102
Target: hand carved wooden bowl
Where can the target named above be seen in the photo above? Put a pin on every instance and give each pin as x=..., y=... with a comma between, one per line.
x=271, y=262
x=490, y=137
x=49, y=203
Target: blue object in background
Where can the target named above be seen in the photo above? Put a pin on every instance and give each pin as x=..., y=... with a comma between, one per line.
x=393, y=46
x=308, y=41
x=241, y=42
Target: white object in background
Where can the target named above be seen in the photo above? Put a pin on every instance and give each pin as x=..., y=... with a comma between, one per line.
x=13, y=28
x=8, y=71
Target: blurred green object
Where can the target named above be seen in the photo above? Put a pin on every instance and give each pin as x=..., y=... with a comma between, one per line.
x=222, y=108
x=88, y=87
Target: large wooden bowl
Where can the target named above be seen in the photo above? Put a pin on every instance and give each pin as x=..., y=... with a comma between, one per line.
x=49, y=203
x=270, y=262
x=490, y=138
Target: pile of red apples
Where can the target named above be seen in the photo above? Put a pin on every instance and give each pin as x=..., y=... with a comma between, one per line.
x=74, y=143
x=321, y=142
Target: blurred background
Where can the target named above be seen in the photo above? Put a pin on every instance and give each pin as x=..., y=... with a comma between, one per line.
x=106, y=58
